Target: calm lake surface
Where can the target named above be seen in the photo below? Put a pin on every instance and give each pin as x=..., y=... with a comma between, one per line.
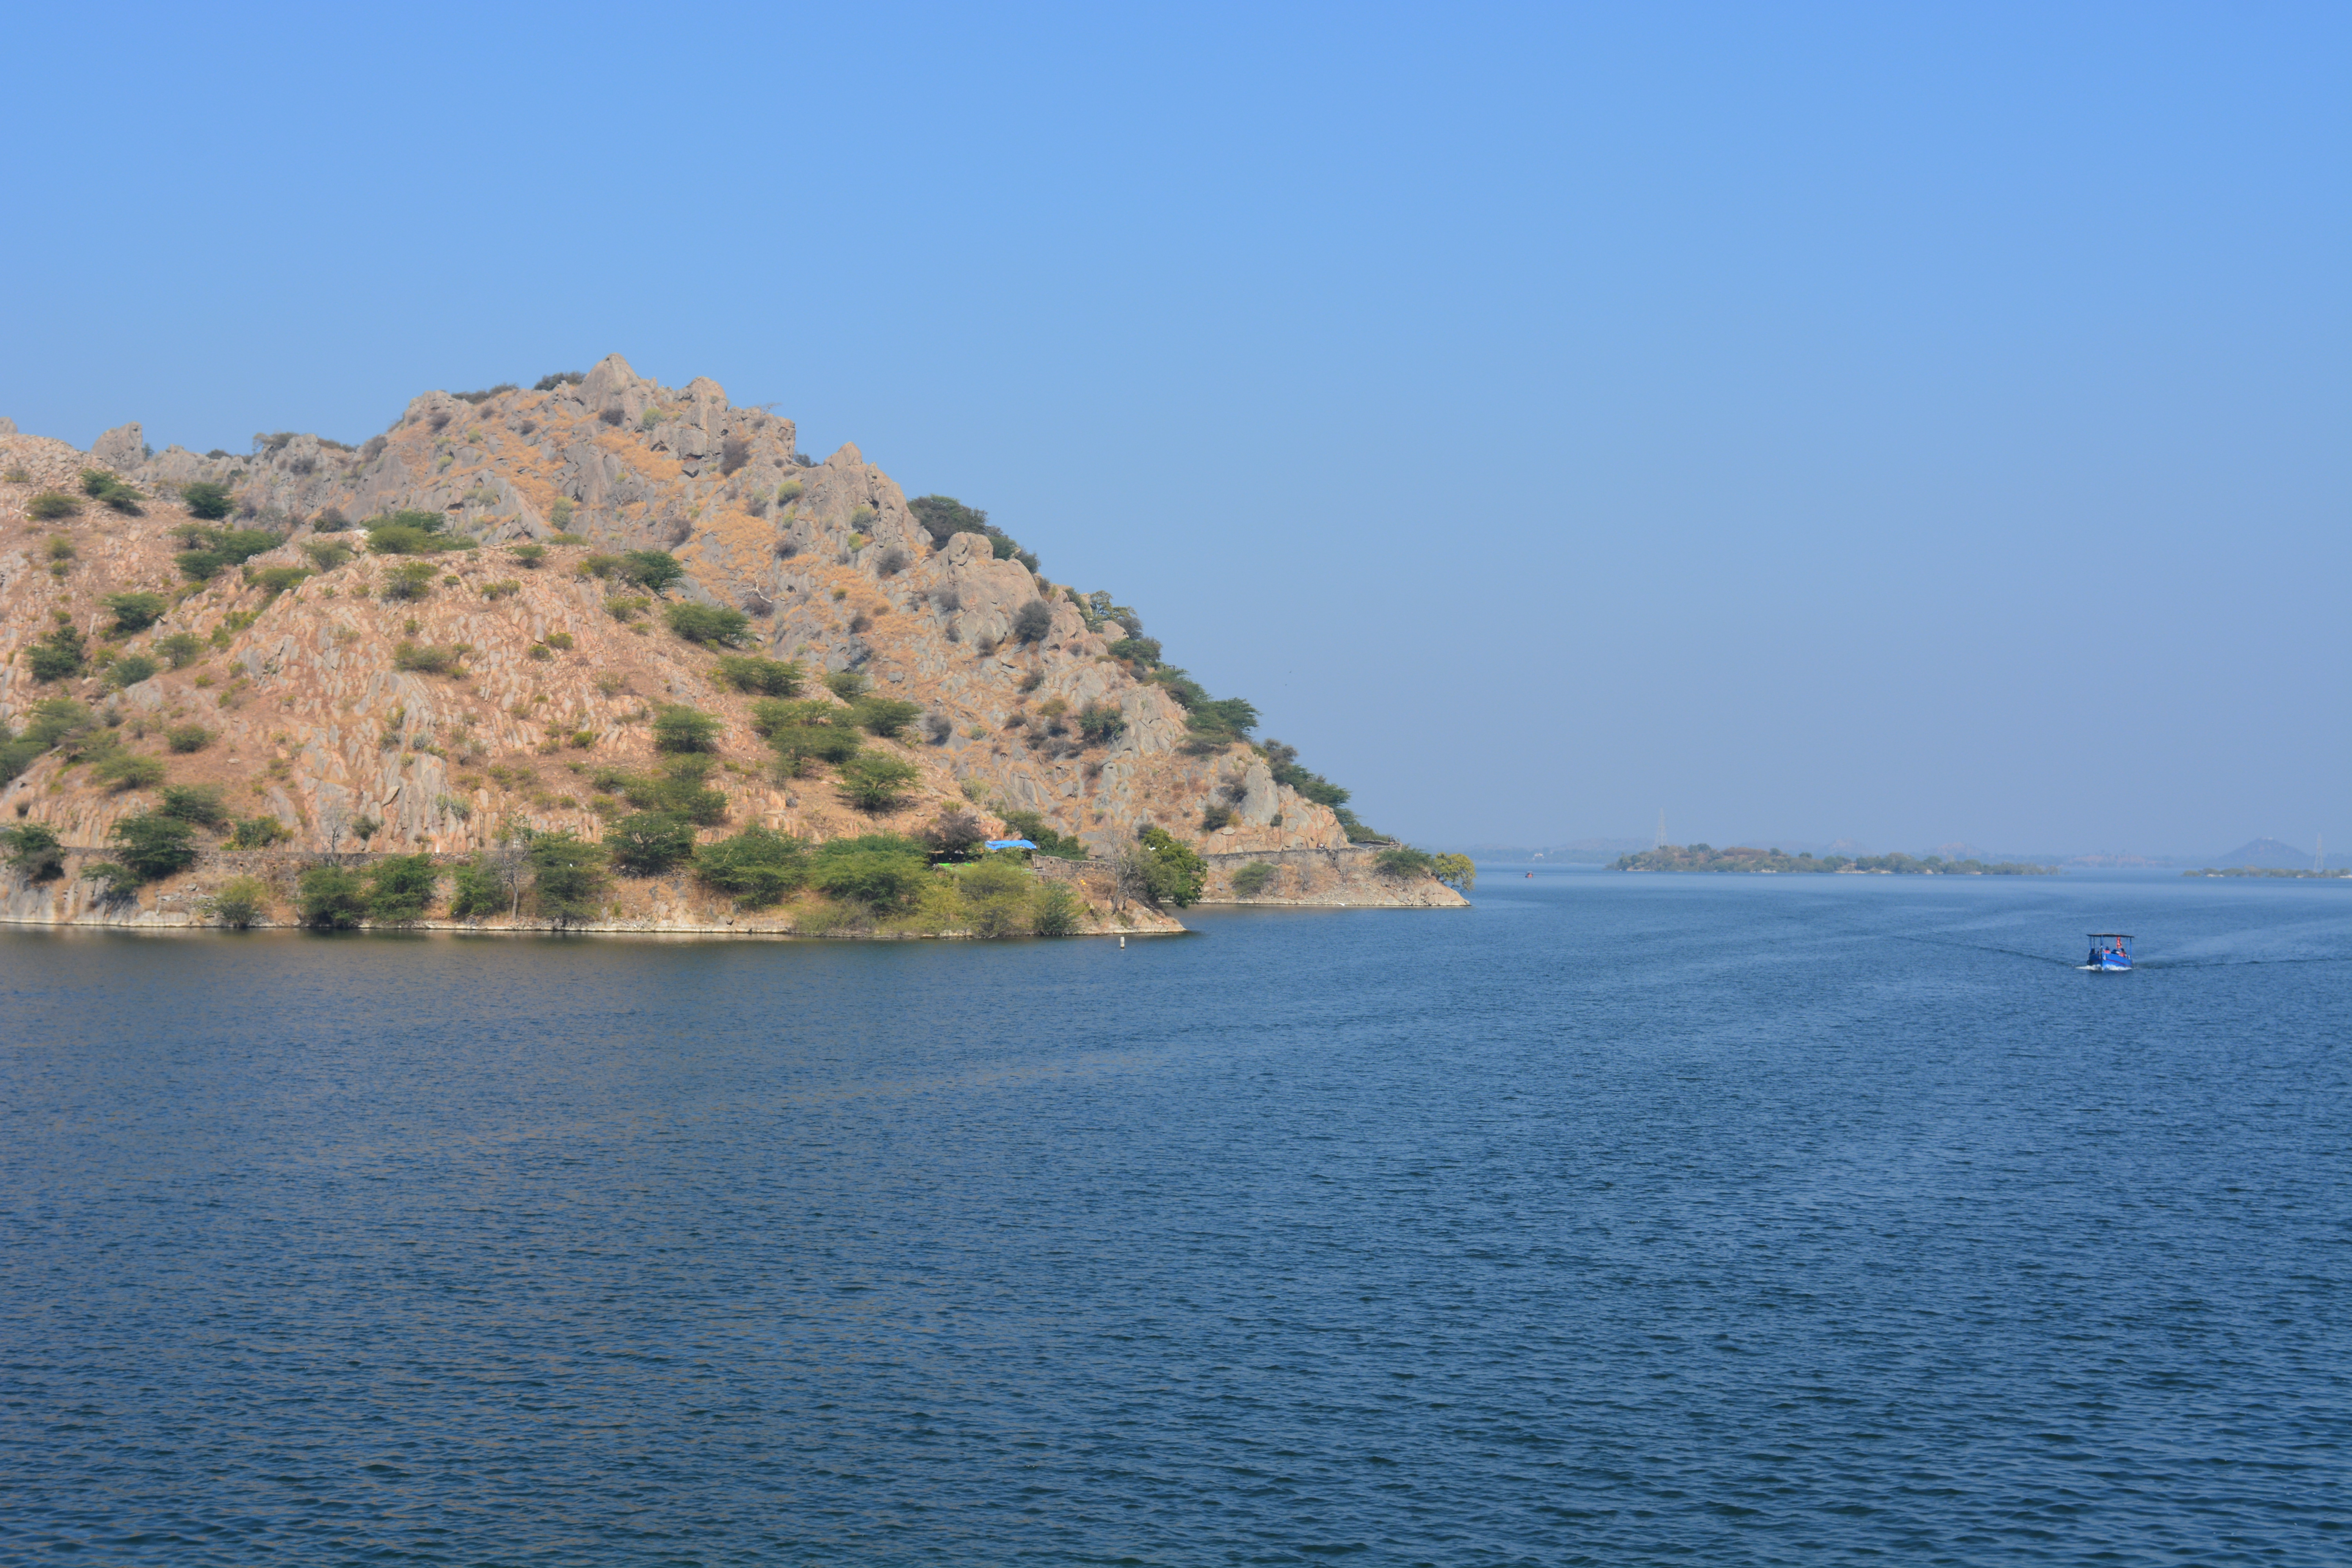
x=1622, y=1220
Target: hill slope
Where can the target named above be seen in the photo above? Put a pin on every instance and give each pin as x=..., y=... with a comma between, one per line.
x=325, y=714
x=2266, y=852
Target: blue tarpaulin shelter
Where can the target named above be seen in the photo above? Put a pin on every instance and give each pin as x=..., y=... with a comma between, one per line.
x=1010, y=844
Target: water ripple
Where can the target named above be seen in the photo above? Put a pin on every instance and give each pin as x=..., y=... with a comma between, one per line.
x=1623, y=1220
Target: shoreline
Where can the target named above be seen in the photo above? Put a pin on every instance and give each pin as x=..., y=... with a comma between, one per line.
x=600, y=928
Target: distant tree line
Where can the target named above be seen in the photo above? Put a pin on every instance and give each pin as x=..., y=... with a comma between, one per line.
x=1706, y=857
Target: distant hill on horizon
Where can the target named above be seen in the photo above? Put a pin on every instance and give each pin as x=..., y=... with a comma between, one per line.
x=2269, y=853
x=2265, y=853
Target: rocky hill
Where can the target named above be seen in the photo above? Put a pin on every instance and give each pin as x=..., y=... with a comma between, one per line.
x=479, y=621
x=2268, y=853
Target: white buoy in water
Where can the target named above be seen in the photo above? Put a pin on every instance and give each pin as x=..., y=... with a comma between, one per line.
x=1123, y=944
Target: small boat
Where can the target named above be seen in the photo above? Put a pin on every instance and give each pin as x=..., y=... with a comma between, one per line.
x=2110, y=949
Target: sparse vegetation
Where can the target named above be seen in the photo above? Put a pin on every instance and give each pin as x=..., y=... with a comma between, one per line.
x=802, y=732
x=51, y=506
x=258, y=833
x=1055, y=910
x=554, y=379
x=198, y=804
x=240, y=902
x=110, y=491
x=652, y=570
x=1458, y=870
x=476, y=889
x=212, y=551
x=400, y=889
x=1099, y=724
x=55, y=657
x=709, y=623
x=135, y=612
x=1404, y=862
x=187, y=737
x=1252, y=879
x=885, y=718
x=882, y=871
x=756, y=867
x=767, y=677
x=678, y=791
x=409, y=533
x=408, y=581
x=72, y=729
x=1283, y=761
x=331, y=898
x=529, y=557
x=116, y=883
x=568, y=878
x=944, y=517
x=1142, y=651
x=1164, y=870
x=131, y=670
x=1034, y=621
x=1216, y=724
x=647, y=843
x=207, y=500
x=275, y=580
x=153, y=846
x=873, y=783
x=955, y=835
x=846, y=684
x=35, y=851
x=425, y=660
x=326, y=554
x=677, y=727
x=998, y=897
x=121, y=769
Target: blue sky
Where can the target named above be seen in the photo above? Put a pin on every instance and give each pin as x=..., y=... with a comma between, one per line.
x=1907, y=422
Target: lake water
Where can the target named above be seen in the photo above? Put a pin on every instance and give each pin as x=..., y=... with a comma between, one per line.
x=1621, y=1220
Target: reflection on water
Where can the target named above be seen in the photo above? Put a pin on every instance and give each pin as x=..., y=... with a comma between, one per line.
x=1622, y=1219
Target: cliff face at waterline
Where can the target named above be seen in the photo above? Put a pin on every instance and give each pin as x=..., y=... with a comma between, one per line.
x=523, y=615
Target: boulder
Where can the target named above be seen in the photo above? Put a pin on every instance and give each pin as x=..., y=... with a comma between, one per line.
x=1259, y=801
x=610, y=379
x=122, y=448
